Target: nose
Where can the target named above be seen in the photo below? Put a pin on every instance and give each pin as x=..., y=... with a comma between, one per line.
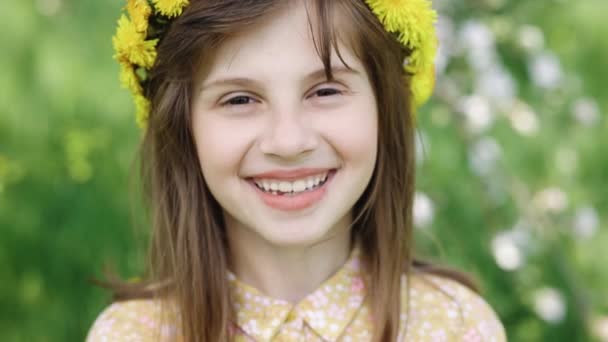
x=288, y=135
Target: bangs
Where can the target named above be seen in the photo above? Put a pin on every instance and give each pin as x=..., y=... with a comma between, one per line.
x=351, y=24
x=334, y=24
x=205, y=26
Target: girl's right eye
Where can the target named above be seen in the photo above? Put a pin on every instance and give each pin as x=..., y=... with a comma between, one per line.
x=238, y=101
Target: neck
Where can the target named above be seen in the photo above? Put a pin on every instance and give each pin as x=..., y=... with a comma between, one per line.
x=289, y=272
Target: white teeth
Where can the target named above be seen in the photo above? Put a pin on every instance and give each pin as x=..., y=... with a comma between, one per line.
x=299, y=186
x=274, y=186
x=321, y=178
x=285, y=187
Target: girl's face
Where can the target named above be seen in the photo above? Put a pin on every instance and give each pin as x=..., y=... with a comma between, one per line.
x=285, y=152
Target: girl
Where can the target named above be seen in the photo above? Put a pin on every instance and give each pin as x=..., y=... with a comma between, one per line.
x=278, y=162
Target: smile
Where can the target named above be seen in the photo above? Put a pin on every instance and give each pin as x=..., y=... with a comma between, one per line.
x=282, y=187
x=292, y=193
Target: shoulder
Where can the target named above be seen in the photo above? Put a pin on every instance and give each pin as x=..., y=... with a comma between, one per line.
x=133, y=320
x=443, y=309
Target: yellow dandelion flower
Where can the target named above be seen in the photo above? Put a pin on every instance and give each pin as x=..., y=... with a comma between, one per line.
x=422, y=85
x=132, y=46
x=395, y=14
x=170, y=8
x=422, y=64
x=139, y=12
x=142, y=110
x=403, y=15
x=413, y=22
x=128, y=78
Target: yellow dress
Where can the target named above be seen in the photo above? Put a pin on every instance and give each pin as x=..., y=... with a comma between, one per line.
x=440, y=309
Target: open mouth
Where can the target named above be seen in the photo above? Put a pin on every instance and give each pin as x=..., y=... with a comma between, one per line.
x=292, y=188
x=294, y=194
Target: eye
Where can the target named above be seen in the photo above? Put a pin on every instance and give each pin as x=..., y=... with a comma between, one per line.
x=238, y=101
x=323, y=92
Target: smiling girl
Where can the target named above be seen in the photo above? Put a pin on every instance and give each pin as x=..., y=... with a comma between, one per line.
x=278, y=158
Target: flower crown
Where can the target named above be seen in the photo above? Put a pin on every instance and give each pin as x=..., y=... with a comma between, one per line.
x=137, y=36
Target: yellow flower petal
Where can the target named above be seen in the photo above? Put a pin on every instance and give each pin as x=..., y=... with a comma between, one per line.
x=130, y=45
x=128, y=78
x=139, y=12
x=170, y=8
x=413, y=22
x=142, y=110
x=422, y=85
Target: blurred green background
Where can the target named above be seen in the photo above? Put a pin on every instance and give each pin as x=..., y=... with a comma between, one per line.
x=512, y=182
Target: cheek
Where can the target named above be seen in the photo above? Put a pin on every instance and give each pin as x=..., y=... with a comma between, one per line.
x=354, y=134
x=220, y=146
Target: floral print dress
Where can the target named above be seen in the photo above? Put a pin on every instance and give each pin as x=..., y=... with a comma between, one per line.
x=433, y=309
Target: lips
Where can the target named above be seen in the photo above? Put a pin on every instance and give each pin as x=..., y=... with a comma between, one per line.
x=292, y=190
x=291, y=175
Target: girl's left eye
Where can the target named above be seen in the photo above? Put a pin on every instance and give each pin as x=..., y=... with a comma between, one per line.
x=323, y=92
x=238, y=101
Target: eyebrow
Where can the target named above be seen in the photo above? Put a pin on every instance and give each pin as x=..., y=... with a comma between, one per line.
x=244, y=81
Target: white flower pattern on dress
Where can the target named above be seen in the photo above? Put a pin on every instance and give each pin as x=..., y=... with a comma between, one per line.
x=433, y=309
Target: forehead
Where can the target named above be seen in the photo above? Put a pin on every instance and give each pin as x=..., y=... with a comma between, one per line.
x=284, y=42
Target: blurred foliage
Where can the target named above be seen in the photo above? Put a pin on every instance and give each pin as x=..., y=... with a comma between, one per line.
x=512, y=164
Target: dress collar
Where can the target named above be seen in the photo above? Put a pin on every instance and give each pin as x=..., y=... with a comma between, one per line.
x=327, y=311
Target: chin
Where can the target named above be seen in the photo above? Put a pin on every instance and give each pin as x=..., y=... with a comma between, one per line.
x=294, y=234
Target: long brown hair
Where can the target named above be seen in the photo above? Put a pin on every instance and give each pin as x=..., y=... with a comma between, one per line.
x=188, y=247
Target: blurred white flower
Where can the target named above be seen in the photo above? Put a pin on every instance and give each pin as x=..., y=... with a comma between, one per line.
x=478, y=42
x=531, y=38
x=496, y=84
x=484, y=155
x=566, y=160
x=523, y=119
x=600, y=328
x=445, y=33
x=477, y=112
x=545, y=70
x=550, y=305
x=507, y=253
x=475, y=34
x=586, y=222
x=424, y=210
x=586, y=111
x=551, y=199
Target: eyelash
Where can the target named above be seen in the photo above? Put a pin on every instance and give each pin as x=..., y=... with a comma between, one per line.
x=230, y=102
